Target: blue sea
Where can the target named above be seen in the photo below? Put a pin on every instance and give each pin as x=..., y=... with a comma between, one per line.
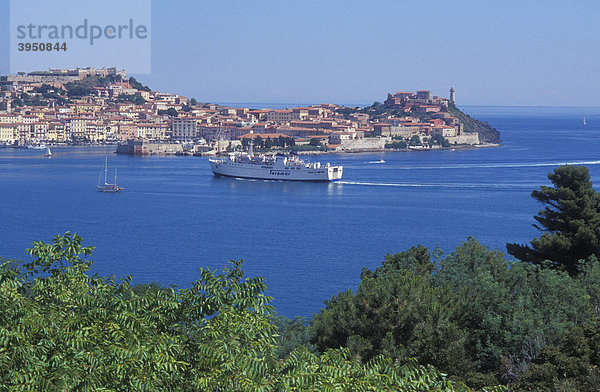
x=310, y=240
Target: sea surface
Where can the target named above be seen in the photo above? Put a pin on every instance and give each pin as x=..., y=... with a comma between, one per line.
x=310, y=240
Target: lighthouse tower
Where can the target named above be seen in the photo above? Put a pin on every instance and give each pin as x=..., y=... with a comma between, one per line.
x=452, y=97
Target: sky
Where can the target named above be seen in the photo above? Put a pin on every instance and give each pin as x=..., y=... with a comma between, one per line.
x=513, y=53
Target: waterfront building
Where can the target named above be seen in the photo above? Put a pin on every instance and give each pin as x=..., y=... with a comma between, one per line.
x=184, y=129
x=56, y=132
x=38, y=130
x=9, y=118
x=76, y=127
x=127, y=131
x=152, y=131
x=8, y=133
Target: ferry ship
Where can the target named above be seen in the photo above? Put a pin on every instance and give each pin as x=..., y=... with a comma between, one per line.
x=272, y=167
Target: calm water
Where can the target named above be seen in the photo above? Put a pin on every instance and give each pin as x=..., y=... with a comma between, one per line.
x=309, y=240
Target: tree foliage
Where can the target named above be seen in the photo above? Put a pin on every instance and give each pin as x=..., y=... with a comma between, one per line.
x=137, y=85
x=473, y=314
x=512, y=308
x=398, y=313
x=168, y=112
x=415, y=140
x=570, y=221
x=62, y=329
x=571, y=367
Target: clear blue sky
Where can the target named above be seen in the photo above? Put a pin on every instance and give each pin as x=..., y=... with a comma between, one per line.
x=494, y=52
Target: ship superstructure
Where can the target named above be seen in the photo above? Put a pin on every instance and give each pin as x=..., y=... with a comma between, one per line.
x=273, y=167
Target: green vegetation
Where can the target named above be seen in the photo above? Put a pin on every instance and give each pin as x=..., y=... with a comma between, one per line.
x=570, y=221
x=84, y=86
x=308, y=147
x=62, y=329
x=472, y=314
x=571, y=367
x=283, y=143
x=135, y=99
x=268, y=143
x=415, y=140
x=50, y=92
x=397, y=144
x=480, y=317
x=486, y=132
x=137, y=85
x=28, y=100
x=378, y=111
x=168, y=112
x=438, y=140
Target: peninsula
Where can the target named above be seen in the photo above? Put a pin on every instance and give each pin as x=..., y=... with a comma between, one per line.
x=99, y=106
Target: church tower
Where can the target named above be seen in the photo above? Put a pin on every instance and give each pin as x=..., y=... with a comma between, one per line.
x=452, y=97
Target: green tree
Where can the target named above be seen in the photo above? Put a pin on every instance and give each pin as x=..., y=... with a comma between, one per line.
x=259, y=142
x=81, y=332
x=62, y=329
x=315, y=142
x=398, y=314
x=137, y=85
x=570, y=221
x=508, y=312
x=139, y=100
x=570, y=366
x=397, y=144
x=292, y=333
x=415, y=140
x=77, y=90
x=439, y=140
x=589, y=278
x=169, y=112
x=417, y=259
x=268, y=143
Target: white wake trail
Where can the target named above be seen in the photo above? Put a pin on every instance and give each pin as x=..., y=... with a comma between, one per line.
x=498, y=165
x=441, y=185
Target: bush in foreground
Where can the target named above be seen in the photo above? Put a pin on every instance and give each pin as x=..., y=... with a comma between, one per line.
x=62, y=329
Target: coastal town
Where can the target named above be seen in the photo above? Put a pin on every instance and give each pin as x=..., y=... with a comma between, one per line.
x=103, y=106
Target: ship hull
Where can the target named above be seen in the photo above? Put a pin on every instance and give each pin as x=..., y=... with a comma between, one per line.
x=265, y=172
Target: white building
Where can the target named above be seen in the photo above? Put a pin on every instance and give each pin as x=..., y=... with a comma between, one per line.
x=184, y=129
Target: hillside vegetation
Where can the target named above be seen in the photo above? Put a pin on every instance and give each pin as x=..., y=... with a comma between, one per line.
x=486, y=132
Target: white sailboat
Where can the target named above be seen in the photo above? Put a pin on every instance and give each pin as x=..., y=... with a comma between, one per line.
x=584, y=123
x=48, y=152
x=106, y=187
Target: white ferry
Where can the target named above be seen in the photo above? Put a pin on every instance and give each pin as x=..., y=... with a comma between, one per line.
x=273, y=167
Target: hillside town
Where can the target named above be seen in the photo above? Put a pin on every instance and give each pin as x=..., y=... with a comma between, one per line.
x=100, y=106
